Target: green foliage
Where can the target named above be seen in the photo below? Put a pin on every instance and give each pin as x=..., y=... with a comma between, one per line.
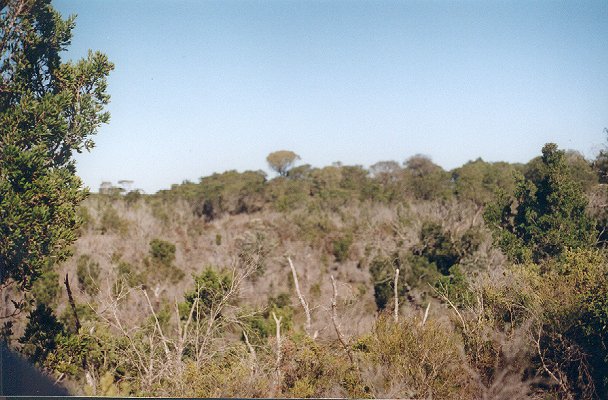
x=478, y=181
x=580, y=170
x=547, y=215
x=87, y=272
x=46, y=289
x=159, y=267
x=382, y=271
x=111, y=221
x=437, y=246
x=133, y=197
x=128, y=273
x=281, y=161
x=229, y=192
x=85, y=313
x=456, y=286
x=261, y=325
x=427, y=180
x=48, y=110
x=341, y=247
x=312, y=370
x=444, y=250
x=414, y=360
x=40, y=336
x=574, y=291
x=162, y=252
x=211, y=288
x=71, y=353
x=600, y=164
x=288, y=194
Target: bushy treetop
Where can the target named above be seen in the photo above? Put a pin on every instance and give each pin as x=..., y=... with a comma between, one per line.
x=546, y=215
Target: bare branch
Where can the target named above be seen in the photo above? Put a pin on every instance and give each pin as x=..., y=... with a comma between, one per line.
x=334, y=320
x=426, y=313
x=160, y=331
x=301, y=297
x=396, y=295
x=72, y=304
x=252, y=354
x=277, y=321
x=444, y=296
x=559, y=381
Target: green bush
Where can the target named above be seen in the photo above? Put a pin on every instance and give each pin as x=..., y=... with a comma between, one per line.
x=341, y=247
x=128, y=274
x=411, y=360
x=162, y=252
x=261, y=325
x=445, y=249
x=111, y=221
x=46, y=288
x=546, y=216
x=210, y=288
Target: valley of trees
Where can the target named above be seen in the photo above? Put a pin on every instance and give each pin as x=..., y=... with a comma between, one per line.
x=401, y=280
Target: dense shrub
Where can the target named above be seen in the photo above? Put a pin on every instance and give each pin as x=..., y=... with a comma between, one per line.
x=162, y=251
x=210, y=289
x=546, y=215
x=341, y=247
x=40, y=336
x=46, y=289
x=111, y=221
x=411, y=360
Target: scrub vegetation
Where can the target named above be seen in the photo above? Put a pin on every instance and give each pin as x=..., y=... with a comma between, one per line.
x=401, y=280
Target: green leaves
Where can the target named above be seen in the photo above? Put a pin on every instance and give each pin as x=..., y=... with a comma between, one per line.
x=547, y=214
x=48, y=110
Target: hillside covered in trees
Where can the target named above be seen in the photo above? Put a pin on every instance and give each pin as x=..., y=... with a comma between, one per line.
x=241, y=285
x=402, y=280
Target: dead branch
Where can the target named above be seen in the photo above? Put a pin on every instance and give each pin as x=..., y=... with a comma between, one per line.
x=72, y=303
x=559, y=381
x=252, y=354
x=396, y=295
x=301, y=297
x=426, y=313
x=334, y=320
x=160, y=331
x=444, y=296
x=277, y=321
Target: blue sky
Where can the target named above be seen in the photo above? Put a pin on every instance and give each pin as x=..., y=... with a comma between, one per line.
x=205, y=86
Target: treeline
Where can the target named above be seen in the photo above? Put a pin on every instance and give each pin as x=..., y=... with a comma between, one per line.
x=418, y=178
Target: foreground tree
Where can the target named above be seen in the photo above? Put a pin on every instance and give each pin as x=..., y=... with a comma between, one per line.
x=281, y=161
x=48, y=110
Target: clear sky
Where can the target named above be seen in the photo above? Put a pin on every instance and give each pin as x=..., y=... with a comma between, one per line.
x=207, y=86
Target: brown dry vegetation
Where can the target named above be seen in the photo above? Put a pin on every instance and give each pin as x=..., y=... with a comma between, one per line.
x=189, y=292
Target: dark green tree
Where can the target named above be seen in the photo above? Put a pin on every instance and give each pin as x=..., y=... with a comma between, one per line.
x=49, y=109
x=41, y=334
x=547, y=214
